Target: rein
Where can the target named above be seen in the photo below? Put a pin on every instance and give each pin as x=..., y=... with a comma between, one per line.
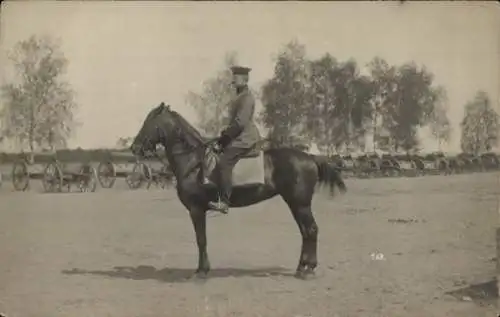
x=208, y=144
x=204, y=145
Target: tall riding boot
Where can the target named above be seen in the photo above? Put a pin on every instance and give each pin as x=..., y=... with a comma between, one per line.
x=224, y=189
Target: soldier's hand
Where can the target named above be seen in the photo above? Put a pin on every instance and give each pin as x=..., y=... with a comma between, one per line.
x=217, y=148
x=224, y=140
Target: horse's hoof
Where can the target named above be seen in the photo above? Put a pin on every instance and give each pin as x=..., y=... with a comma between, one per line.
x=305, y=274
x=300, y=275
x=199, y=276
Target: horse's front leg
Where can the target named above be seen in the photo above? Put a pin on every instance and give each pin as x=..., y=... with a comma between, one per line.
x=198, y=217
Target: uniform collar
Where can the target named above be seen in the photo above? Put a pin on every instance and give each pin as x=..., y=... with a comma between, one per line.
x=243, y=91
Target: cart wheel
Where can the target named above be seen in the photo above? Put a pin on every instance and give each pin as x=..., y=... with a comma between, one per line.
x=67, y=180
x=163, y=177
x=20, y=176
x=87, y=179
x=148, y=175
x=166, y=178
x=106, y=174
x=52, y=178
x=141, y=174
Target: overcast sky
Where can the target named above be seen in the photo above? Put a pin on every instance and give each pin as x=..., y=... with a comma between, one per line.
x=126, y=57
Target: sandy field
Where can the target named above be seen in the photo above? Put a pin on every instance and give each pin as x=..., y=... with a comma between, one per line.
x=418, y=247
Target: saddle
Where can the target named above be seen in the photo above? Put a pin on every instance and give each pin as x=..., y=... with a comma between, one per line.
x=249, y=169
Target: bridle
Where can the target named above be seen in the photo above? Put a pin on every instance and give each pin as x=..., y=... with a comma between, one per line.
x=200, y=149
x=189, y=147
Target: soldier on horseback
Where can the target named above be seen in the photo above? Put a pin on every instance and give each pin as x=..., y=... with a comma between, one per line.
x=237, y=139
x=295, y=178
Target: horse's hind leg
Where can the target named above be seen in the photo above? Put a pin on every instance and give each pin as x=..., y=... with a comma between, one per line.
x=309, y=231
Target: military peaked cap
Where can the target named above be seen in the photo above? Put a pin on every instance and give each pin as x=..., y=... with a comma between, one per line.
x=240, y=70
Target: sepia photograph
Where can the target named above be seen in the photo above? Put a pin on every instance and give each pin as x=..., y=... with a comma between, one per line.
x=249, y=158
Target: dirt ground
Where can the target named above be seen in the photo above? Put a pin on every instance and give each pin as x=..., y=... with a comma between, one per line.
x=416, y=247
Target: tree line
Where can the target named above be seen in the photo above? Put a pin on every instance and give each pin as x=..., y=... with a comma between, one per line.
x=324, y=101
x=332, y=104
x=39, y=105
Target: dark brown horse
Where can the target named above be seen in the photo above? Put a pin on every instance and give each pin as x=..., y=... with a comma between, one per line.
x=290, y=173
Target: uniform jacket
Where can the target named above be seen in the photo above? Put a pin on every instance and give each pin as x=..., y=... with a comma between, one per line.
x=242, y=129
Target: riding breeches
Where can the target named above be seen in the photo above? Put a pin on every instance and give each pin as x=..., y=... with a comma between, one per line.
x=227, y=161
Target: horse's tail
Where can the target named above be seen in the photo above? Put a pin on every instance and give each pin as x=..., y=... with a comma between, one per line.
x=329, y=175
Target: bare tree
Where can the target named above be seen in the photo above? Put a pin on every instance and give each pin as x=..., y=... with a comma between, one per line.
x=39, y=103
x=438, y=121
x=480, y=125
x=384, y=78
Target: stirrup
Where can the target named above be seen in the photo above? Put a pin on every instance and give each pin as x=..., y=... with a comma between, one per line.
x=219, y=204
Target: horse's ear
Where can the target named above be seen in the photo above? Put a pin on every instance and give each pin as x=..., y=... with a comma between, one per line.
x=163, y=106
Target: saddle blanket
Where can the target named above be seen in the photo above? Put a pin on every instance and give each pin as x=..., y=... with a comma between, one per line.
x=248, y=170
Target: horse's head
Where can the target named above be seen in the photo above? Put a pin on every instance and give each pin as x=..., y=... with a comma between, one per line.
x=165, y=126
x=153, y=130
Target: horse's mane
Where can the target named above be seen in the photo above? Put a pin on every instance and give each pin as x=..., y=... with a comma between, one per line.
x=188, y=128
